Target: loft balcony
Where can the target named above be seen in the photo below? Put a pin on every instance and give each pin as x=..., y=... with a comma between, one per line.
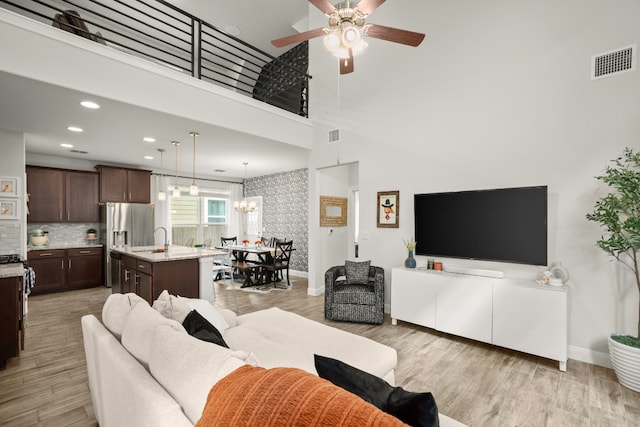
x=165, y=35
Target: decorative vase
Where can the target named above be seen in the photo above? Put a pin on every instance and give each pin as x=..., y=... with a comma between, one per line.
x=559, y=272
x=626, y=362
x=410, y=262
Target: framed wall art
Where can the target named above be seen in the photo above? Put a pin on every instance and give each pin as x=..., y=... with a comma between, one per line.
x=8, y=187
x=8, y=209
x=388, y=209
x=333, y=211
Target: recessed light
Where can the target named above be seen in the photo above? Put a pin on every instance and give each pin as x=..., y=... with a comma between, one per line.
x=74, y=129
x=65, y=145
x=90, y=104
x=148, y=157
x=149, y=139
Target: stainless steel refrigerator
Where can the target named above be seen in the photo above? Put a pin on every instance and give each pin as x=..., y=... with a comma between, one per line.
x=124, y=224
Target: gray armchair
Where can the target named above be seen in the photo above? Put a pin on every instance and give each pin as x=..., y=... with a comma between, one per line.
x=354, y=302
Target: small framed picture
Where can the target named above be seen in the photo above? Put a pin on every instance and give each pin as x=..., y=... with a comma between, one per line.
x=8, y=209
x=8, y=187
x=388, y=209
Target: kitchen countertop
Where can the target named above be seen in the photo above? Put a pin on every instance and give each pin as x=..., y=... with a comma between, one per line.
x=147, y=253
x=11, y=270
x=63, y=246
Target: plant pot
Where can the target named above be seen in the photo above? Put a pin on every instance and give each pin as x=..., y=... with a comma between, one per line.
x=626, y=362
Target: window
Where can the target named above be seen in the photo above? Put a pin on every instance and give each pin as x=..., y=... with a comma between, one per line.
x=199, y=219
x=215, y=211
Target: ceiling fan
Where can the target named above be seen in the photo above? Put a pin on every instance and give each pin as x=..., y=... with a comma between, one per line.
x=343, y=37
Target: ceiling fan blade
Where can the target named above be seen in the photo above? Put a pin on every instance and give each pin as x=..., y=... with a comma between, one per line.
x=395, y=35
x=368, y=6
x=324, y=5
x=346, y=64
x=298, y=38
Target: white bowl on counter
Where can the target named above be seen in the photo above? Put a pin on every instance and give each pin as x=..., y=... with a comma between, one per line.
x=39, y=240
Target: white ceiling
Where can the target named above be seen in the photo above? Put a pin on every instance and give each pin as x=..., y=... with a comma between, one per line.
x=113, y=133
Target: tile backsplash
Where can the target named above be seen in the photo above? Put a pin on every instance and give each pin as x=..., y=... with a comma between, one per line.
x=10, y=242
x=61, y=233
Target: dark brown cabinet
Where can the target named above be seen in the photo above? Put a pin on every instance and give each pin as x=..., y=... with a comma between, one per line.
x=124, y=185
x=58, y=195
x=10, y=317
x=149, y=279
x=62, y=270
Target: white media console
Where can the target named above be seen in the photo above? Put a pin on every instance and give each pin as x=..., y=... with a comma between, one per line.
x=515, y=314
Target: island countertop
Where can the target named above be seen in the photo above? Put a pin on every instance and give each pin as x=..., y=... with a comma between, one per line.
x=175, y=252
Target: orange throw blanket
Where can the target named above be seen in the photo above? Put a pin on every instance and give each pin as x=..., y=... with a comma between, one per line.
x=254, y=396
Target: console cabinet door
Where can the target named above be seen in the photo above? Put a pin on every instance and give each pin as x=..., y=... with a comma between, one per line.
x=413, y=297
x=46, y=194
x=532, y=320
x=464, y=306
x=81, y=197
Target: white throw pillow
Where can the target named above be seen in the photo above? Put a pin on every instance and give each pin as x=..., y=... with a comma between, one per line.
x=139, y=328
x=172, y=307
x=208, y=311
x=116, y=309
x=188, y=368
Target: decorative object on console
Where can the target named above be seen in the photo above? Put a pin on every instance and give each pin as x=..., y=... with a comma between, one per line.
x=388, y=209
x=619, y=214
x=410, y=262
x=559, y=274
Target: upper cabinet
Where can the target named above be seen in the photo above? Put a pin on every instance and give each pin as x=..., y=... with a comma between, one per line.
x=57, y=195
x=124, y=185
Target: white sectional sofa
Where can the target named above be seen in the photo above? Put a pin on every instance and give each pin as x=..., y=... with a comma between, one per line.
x=145, y=370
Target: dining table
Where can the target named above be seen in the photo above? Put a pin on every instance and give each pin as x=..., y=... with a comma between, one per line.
x=263, y=255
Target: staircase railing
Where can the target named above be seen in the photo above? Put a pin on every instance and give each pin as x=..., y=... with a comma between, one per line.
x=163, y=33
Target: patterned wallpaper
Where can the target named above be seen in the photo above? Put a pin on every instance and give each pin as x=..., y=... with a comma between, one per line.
x=285, y=202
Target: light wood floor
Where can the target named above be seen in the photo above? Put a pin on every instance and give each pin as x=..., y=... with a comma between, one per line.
x=475, y=383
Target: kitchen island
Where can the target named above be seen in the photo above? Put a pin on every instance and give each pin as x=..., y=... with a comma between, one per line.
x=181, y=270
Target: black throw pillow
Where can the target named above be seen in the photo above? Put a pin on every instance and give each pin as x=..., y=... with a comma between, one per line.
x=199, y=327
x=415, y=409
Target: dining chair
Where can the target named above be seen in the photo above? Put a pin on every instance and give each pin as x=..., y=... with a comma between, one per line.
x=190, y=242
x=279, y=264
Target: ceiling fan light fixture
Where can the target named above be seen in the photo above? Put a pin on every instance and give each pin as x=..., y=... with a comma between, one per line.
x=359, y=47
x=350, y=35
x=332, y=41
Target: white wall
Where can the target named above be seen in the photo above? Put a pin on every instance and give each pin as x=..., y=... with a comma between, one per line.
x=498, y=95
x=13, y=232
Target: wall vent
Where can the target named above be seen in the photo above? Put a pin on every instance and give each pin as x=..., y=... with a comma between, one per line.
x=334, y=136
x=614, y=62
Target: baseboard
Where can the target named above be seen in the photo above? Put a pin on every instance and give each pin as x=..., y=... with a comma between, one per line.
x=589, y=356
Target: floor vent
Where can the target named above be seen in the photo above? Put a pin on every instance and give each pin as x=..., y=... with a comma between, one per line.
x=334, y=136
x=615, y=62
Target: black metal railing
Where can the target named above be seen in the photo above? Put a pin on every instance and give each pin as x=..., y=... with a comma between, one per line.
x=162, y=33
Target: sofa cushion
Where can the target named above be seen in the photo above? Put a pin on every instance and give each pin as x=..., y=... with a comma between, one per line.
x=187, y=367
x=357, y=272
x=116, y=309
x=209, y=312
x=171, y=306
x=416, y=409
x=282, y=338
x=198, y=327
x=252, y=396
x=139, y=328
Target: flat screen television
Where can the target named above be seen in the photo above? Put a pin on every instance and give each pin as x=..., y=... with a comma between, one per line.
x=505, y=225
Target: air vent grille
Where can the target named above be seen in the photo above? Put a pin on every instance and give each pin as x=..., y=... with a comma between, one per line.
x=615, y=62
x=334, y=136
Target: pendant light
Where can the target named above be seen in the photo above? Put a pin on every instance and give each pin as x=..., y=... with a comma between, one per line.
x=176, y=190
x=243, y=206
x=162, y=195
x=193, y=189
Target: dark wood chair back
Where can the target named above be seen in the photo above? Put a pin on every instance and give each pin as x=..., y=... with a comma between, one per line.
x=229, y=240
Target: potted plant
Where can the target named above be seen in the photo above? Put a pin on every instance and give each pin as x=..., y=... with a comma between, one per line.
x=619, y=214
x=91, y=233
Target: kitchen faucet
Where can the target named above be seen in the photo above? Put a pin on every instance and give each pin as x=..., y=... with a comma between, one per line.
x=166, y=242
